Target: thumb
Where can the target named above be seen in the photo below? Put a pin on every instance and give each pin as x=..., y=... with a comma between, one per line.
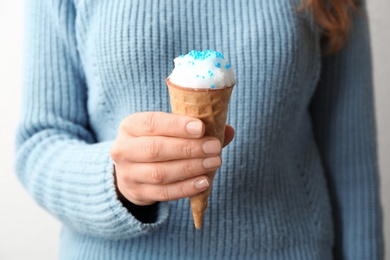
x=229, y=135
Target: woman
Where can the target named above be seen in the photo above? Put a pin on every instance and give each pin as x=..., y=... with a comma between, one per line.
x=300, y=179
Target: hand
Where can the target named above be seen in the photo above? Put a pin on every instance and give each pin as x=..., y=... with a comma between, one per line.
x=161, y=157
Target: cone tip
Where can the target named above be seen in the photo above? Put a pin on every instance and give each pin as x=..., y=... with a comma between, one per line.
x=198, y=222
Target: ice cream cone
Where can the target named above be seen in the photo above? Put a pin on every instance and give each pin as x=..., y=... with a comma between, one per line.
x=211, y=106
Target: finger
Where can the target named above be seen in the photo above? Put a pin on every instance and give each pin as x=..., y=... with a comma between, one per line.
x=176, y=190
x=229, y=135
x=157, y=149
x=173, y=171
x=162, y=124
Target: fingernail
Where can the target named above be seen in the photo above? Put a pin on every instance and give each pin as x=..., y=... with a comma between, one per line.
x=212, y=146
x=212, y=162
x=194, y=128
x=201, y=184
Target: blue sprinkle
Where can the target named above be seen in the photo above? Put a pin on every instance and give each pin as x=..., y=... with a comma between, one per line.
x=197, y=76
x=219, y=55
x=202, y=77
x=182, y=56
x=212, y=86
x=227, y=66
x=202, y=55
x=193, y=63
x=218, y=65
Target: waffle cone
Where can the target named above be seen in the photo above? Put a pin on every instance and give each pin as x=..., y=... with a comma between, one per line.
x=211, y=106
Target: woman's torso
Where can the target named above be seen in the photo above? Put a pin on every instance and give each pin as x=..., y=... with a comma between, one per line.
x=269, y=197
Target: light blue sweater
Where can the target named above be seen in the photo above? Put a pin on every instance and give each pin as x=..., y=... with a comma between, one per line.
x=300, y=179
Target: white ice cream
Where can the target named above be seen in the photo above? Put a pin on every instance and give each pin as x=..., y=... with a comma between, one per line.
x=202, y=69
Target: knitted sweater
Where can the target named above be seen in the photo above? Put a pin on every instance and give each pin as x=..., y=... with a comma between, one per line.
x=300, y=179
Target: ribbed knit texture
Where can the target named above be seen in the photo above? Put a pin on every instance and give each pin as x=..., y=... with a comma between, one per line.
x=300, y=179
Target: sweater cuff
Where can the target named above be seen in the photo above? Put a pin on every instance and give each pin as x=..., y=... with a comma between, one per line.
x=145, y=214
x=128, y=219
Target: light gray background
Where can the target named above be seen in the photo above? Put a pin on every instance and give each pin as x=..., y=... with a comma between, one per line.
x=28, y=232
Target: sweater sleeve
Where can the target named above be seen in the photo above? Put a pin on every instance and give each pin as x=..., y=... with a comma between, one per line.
x=57, y=157
x=343, y=118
